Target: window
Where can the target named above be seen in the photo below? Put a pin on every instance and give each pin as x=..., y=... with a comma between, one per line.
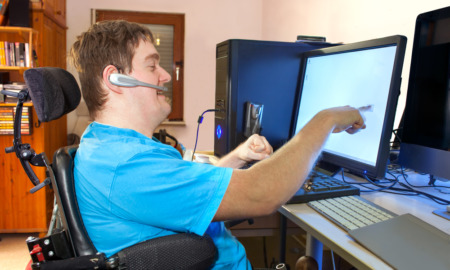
x=168, y=31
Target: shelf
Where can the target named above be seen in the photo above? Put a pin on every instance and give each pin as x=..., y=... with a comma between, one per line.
x=19, y=35
x=11, y=104
x=13, y=68
x=16, y=29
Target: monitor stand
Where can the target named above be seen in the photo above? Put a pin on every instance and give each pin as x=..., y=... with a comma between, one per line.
x=443, y=213
x=327, y=168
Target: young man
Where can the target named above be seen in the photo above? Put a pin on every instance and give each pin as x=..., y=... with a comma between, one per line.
x=131, y=188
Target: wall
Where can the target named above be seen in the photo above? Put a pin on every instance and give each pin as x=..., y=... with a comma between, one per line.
x=206, y=24
x=348, y=21
x=209, y=22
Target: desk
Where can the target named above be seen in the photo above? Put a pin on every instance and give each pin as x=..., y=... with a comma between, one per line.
x=322, y=231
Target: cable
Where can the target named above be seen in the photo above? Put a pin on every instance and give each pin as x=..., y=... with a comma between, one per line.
x=405, y=176
x=406, y=189
x=199, y=121
x=397, y=137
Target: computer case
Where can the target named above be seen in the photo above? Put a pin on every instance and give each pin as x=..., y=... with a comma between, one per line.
x=261, y=72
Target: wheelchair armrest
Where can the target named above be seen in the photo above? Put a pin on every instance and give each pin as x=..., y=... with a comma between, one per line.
x=177, y=251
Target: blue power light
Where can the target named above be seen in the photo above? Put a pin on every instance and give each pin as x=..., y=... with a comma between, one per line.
x=219, y=132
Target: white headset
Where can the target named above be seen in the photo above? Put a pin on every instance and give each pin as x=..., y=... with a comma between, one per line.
x=128, y=81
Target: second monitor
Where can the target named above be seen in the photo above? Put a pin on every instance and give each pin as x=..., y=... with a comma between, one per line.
x=358, y=74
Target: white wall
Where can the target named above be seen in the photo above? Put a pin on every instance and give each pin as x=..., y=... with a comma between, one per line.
x=348, y=21
x=209, y=22
x=206, y=24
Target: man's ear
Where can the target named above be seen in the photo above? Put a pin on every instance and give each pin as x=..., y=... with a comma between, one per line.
x=107, y=71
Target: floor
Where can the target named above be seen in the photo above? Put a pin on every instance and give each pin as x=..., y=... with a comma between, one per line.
x=14, y=251
x=263, y=252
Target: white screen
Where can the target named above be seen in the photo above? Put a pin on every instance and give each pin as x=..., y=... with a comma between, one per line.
x=357, y=78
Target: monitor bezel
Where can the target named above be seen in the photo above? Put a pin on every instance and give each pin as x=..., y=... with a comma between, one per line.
x=415, y=154
x=379, y=170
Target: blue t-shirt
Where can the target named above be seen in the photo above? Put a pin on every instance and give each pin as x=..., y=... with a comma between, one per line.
x=131, y=188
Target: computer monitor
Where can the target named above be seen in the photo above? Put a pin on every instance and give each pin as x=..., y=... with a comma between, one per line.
x=425, y=136
x=358, y=74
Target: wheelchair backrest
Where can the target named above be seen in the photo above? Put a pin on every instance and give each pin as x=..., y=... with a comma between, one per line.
x=63, y=164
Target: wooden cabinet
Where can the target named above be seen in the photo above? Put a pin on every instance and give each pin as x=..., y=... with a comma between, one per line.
x=54, y=9
x=21, y=211
x=51, y=45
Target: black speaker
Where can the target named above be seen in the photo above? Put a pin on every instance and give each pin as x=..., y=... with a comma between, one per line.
x=19, y=13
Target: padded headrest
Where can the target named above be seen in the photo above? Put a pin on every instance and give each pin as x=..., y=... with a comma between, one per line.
x=54, y=92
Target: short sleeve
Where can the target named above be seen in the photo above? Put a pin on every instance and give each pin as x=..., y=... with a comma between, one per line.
x=156, y=189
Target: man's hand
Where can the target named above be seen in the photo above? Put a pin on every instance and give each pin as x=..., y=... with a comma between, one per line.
x=348, y=118
x=254, y=149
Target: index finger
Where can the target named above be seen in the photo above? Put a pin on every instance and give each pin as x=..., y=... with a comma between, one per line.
x=368, y=108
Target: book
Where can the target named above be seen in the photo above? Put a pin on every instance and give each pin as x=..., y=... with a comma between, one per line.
x=7, y=115
x=2, y=53
x=12, y=54
x=27, y=55
x=7, y=52
x=14, y=86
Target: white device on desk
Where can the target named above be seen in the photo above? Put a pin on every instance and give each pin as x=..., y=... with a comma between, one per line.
x=406, y=242
x=391, y=237
x=199, y=157
x=351, y=212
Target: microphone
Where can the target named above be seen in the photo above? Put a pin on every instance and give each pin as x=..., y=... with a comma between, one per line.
x=128, y=81
x=54, y=92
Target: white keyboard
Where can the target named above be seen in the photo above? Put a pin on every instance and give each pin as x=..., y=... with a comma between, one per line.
x=351, y=212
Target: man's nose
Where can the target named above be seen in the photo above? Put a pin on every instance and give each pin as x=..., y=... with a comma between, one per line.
x=164, y=77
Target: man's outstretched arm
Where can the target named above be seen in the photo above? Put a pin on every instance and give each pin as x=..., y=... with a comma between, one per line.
x=263, y=188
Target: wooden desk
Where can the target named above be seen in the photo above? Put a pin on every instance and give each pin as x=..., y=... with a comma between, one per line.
x=322, y=231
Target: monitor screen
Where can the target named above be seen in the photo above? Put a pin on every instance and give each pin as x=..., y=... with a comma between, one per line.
x=358, y=74
x=425, y=134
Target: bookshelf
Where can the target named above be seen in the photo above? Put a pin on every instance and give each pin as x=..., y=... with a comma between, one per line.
x=21, y=211
x=12, y=36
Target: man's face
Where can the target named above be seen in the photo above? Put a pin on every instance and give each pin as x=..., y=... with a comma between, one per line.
x=146, y=68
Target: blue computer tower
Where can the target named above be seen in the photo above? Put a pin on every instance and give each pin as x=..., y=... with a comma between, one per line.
x=260, y=72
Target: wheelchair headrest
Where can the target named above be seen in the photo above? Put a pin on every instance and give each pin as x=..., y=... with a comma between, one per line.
x=54, y=92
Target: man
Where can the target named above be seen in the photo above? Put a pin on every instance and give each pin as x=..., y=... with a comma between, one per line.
x=131, y=188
